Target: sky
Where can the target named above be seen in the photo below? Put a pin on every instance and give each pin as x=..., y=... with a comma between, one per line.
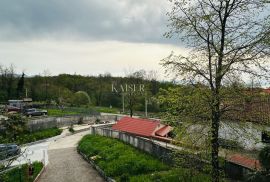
x=87, y=37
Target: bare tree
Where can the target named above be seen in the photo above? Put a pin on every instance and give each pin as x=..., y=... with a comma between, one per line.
x=226, y=38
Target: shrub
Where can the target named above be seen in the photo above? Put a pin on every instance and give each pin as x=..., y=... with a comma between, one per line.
x=117, y=158
x=14, y=174
x=264, y=158
x=71, y=129
x=97, y=121
x=229, y=144
x=174, y=175
x=80, y=120
x=126, y=163
x=28, y=137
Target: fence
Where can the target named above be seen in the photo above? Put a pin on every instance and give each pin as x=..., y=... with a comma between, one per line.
x=51, y=122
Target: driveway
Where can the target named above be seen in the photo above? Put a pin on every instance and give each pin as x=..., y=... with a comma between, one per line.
x=66, y=165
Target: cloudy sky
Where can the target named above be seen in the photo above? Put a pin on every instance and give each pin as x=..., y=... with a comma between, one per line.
x=84, y=36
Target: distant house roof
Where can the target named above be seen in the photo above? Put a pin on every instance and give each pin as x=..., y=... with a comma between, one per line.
x=143, y=127
x=266, y=90
x=244, y=161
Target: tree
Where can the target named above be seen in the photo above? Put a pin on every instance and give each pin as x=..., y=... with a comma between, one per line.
x=46, y=74
x=7, y=82
x=264, y=158
x=14, y=126
x=226, y=39
x=262, y=175
x=81, y=98
x=20, y=86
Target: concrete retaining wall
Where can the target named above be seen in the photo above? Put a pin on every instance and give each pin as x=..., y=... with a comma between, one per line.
x=144, y=144
x=51, y=122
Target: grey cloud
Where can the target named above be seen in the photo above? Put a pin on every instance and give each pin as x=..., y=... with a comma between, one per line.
x=122, y=20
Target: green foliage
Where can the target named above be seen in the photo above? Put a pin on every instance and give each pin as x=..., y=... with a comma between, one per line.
x=71, y=129
x=67, y=111
x=14, y=126
x=20, y=86
x=97, y=121
x=126, y=163
x=28, y=137
x=264, y=174
x=81, y=98
x=14, y=174
x=117, y=158
x=60, y=112
x=185, y=103
x=264, y=157
x=229, y=144
x=107, y=110
x=174, y=175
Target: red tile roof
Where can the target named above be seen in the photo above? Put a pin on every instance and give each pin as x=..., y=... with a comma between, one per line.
x=245, y=161
x=267, y=90
x=142, y=127
x=163, y=131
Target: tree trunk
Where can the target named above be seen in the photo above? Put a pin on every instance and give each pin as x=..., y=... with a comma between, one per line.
x=214, y=141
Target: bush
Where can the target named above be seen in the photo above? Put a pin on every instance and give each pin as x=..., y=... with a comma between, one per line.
x=28, y=137
x=97, y=121
x=229, y=144
x=71, y=129
x=14, y=174
x=117, y=158
x=80, y=120
x=126, y=163
x=264, y=157
x=174, y=175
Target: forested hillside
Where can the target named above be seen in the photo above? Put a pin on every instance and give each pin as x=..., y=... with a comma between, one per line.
x=73, y=90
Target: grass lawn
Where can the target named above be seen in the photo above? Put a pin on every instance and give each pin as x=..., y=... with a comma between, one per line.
x=107, y=110
x=173, y=175
x=69, y=111
x=59, y=112
x=29, y=137
x=125, y=163
x=17, y=175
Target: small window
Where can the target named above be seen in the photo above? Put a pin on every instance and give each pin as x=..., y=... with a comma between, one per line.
x=266, y=137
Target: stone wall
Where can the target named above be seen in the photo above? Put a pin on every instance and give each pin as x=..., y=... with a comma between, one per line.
x=51, y=122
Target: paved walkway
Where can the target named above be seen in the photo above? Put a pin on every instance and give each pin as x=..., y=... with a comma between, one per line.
x=66, y=165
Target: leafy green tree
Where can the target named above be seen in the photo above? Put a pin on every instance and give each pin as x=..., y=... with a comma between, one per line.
x=262, y=175
x=226, y=38
x=264, y=158
x=81, y=99
x=14, y=126
x=20, y=86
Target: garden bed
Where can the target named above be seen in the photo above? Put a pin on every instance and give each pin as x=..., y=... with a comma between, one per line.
x=18, y=174
x=123, y=162
x=29, y=137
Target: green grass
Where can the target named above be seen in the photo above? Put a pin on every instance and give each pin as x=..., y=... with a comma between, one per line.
x=71, y=111
x=59, y=112
x=125, y=163
x=14, y=174
x=29, y=137
x=107, y=110
x=173, y=175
